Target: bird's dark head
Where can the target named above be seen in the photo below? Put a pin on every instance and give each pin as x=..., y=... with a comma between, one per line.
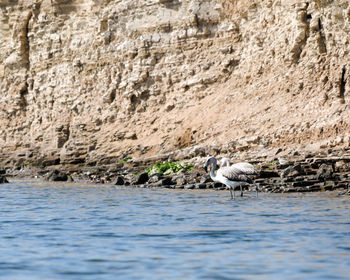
x=208, y=162
x=205, y=168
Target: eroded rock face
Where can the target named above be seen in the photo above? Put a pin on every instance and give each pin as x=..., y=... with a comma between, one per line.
x=88, y=81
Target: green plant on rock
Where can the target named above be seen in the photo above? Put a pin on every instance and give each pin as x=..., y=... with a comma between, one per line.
x=167, y=167
x=124, y=160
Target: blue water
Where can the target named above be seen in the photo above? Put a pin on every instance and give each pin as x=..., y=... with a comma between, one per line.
x=74, y=231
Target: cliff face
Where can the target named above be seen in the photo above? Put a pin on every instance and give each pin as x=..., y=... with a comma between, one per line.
x=89, y=80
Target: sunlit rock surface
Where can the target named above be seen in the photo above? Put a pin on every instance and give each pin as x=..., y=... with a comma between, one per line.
x=88, y=81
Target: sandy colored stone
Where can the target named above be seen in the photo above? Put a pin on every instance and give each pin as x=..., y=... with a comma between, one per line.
x=85, y=81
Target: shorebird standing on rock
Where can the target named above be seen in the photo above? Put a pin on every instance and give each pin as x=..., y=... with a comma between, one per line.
x=231, y=176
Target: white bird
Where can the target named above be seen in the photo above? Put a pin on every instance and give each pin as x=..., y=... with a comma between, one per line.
x=242, y=165
x=224, y=162
x=231, y=176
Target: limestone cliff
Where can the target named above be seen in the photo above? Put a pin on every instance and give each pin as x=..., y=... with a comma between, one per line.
x=85, y=81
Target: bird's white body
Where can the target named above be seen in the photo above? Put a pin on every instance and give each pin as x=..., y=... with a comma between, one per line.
x=244, y=166
x=222, y=179
x=224, y=162
x=231, y=176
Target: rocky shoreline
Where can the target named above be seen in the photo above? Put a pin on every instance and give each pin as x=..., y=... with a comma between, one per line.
x=327, y=171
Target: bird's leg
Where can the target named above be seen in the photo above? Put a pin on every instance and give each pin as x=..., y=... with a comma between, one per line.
x=257, y=190
x=240, y=186
x=232, y=196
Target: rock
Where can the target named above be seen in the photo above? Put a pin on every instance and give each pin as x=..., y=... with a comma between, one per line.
x=218, y=185
x=193, y=178
x=268, y=174
x=56, y=175
x=304, y=183
x=167, y=181
x=129, y=74
x=342, y=165
x=282, y=161
x=288, y=189
x=253, y=140
x=324, y=172
x=205, y=179
x=180, y=180
x=164, y=182
x=189, y=187
x=314, y=188
x=50, y=161
x=141, y=179
x=154, y=178
x=292, y=171
x=131, y=135
x=119, y=181
x=201, y=186
x=3, y=179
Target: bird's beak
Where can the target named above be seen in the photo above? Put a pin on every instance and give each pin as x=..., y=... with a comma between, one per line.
x=205, y=168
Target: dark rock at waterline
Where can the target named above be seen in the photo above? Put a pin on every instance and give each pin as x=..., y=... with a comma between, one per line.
x=268, y=174
x=154, y=178
x=167, y=181
x=201, y=186
x=2, y=171
x=141, y=179
x=346, y=192
x=180, y=180
x=304, y=183
x=163, y=182
x=292, y=171
x=169, y=186
x=195, y=177
x=56, y=175
x=304, y=174
x=119, y=181
x=218, y=185
x=324, y=172
x=205, y=179
x=189, y=187
x=3, y=179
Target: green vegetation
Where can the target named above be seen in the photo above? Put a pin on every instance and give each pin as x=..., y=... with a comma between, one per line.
x=167, y=167
x=124, y=160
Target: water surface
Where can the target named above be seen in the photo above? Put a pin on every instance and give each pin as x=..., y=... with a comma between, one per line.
x=75, y=231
